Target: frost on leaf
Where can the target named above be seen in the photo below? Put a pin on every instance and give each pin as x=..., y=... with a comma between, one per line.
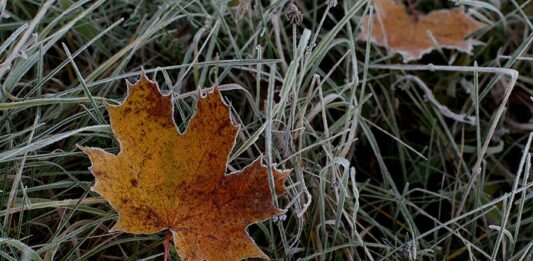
x=162, y=179
x=412, y=37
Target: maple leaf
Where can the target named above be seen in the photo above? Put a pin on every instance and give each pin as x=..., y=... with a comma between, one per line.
x=411, y=36
x=162, y=179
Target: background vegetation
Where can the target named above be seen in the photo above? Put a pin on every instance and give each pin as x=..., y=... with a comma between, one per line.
x=379, y=173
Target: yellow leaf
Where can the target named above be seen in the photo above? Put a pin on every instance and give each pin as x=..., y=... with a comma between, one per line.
x=162, y=179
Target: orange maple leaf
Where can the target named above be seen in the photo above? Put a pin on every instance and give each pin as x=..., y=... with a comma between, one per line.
x=412, y=37
x=162, y=179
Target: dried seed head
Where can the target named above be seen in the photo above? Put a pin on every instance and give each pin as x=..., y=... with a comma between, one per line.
x=290, y=98
x=331, y=3
x=293, y=15
x=408, y=252
x=335, y=183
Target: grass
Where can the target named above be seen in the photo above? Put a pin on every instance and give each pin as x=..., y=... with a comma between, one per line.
x=385, y=164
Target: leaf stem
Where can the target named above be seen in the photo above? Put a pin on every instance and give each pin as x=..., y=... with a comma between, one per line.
x=167, y=243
